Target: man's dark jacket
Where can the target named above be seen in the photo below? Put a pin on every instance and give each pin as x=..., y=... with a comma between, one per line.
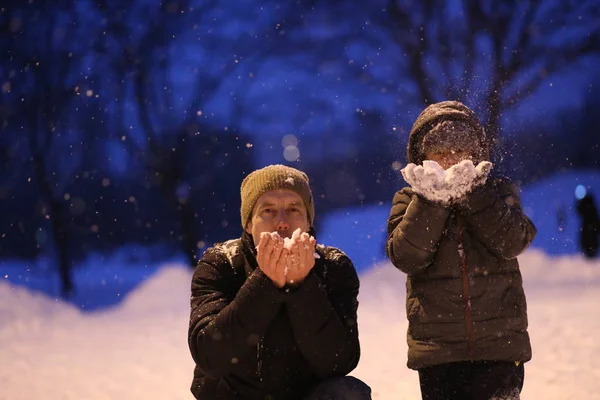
x=251, y=340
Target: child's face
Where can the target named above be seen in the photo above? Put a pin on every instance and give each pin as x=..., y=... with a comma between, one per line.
x=448, y=158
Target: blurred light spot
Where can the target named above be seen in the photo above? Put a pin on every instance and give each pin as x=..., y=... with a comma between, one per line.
x=105, y=182
x=200, y=244
x=580, y=192
x=289, y=140
x=89, y=93
x=291, y=153
x=396, y=165
x=94, y=228
x=6, y=87
x=67, y=196
x=249, y=145
x=199, y=113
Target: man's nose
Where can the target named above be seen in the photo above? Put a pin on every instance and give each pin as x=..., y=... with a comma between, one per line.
x=283, y=224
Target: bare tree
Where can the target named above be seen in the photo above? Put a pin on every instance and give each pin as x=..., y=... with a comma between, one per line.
x=42, y=56
x=144, y=72
x=490, y=53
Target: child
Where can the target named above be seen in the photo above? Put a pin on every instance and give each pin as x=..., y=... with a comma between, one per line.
x=456, y=234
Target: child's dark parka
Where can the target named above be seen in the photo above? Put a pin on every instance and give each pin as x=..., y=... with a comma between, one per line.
x=465, y=298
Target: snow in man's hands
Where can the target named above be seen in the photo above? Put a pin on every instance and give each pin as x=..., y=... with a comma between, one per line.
x=289, y=242
x=446, y=186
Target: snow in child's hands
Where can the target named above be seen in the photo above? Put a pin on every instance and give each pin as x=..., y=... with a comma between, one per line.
x=445, y=186
x=431, y=174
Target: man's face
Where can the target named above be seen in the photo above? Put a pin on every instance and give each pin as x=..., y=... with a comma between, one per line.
x=280, y=210
x=448, y=158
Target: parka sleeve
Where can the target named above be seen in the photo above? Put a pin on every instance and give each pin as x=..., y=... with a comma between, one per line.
x=494, y=214
x=324, y=320
x=415, y=227
x=224, y=327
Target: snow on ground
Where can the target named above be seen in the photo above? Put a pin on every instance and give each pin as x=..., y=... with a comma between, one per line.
x=137, y=348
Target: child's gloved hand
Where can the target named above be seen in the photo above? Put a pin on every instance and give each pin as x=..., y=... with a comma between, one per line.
x=463, y=177
x=482, y=171
x=460, y=177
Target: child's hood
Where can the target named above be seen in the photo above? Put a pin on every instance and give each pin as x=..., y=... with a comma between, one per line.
x=434, y=114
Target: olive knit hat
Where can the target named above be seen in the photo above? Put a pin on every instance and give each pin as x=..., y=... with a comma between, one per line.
x=274, y=177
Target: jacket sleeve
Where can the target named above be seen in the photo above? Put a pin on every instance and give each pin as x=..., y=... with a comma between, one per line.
x=493, y=212
x=324, y=320
x=415, y=227
x=223, y=325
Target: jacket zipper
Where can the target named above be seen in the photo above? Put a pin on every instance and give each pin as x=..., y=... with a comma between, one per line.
x=259, y=350
x=465, y=287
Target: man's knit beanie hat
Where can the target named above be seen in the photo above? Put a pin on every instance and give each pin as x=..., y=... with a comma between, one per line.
x=274, y=177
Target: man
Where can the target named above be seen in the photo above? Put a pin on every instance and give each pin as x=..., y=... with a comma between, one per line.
x=273, y=315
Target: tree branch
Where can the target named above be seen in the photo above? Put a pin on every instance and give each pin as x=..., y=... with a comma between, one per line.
x=552, y=65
